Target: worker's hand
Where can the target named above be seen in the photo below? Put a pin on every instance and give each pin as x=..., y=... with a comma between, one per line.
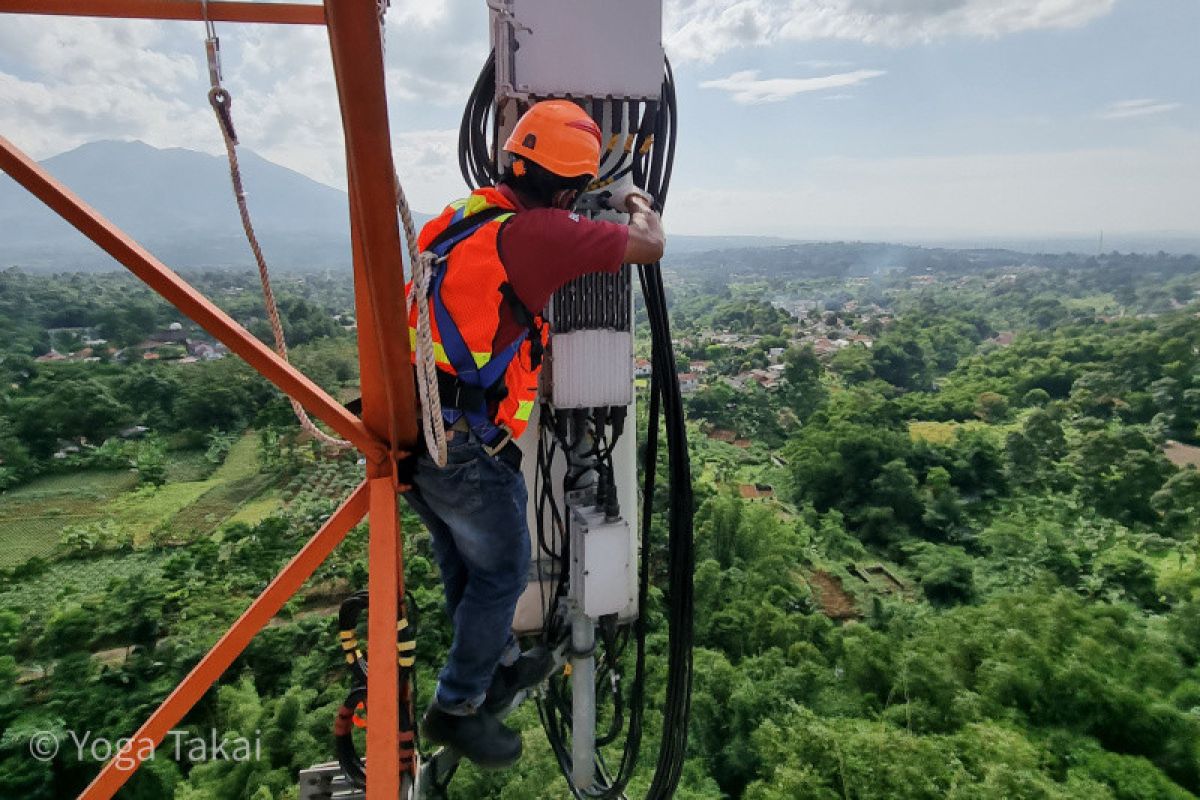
x=633, y=201
x=647, y=242
x=637, y=201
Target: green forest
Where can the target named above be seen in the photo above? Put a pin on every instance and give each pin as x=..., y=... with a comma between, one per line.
x=947, y=530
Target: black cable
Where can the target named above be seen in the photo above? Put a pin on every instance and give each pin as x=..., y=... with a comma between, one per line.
x=475, y=158
x=681, y=552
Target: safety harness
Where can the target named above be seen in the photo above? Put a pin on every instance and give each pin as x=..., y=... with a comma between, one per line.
x=470, y=393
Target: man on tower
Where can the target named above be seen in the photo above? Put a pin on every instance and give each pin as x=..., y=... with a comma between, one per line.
x=505, y=250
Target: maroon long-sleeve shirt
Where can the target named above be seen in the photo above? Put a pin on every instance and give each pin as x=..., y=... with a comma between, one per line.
x=544, y=248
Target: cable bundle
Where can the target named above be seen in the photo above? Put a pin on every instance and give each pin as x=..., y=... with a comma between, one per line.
x=649, y=156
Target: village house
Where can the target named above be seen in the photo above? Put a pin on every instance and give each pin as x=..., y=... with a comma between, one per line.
x=688, y=382
x=759, y=492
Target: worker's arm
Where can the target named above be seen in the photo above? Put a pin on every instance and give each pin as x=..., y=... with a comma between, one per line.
x=646, y=238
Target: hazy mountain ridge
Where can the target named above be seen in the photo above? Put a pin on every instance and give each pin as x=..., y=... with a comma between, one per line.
x=179, y=204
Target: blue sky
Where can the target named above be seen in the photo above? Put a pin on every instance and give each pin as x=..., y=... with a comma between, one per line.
x=806, y=118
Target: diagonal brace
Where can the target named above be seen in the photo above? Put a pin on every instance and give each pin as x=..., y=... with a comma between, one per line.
x=117, y=771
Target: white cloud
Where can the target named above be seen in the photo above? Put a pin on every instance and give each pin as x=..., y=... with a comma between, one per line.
x=1127, y=109
x=748, y=89
x=427, y=161
x=700, y=30
x=68, y=81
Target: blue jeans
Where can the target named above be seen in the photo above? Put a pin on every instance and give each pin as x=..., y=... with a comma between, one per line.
x=474, y=508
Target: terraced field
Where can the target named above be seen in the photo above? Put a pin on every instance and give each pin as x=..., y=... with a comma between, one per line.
x=33, y=516
x=191, y=508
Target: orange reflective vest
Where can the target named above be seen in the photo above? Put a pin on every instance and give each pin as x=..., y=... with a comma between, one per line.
x=466, y=294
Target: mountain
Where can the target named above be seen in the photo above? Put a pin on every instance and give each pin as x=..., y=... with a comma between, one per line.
x=179, y=204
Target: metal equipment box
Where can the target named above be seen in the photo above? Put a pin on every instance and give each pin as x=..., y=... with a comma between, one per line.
x=580, y=48
x=601, y=561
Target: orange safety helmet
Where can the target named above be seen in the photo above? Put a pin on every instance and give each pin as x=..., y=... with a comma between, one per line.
x=558, y=136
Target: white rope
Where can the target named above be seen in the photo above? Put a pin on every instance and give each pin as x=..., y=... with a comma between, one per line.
x=426, y=372
x=221, y=101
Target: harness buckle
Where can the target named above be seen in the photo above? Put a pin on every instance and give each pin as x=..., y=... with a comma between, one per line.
x=501, y=443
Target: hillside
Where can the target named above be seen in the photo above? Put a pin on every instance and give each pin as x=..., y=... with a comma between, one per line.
x=946, y=536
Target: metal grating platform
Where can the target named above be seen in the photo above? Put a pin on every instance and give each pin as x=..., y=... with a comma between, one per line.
x=326, y=782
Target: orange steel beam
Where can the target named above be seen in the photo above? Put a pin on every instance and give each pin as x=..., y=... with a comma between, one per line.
x=387, y=381
x=279, y=13
x=357, y=50
x=188, y=300
x=383, y=680
x=117, y=771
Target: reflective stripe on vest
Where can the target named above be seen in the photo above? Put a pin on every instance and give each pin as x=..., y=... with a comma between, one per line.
x=439, y=352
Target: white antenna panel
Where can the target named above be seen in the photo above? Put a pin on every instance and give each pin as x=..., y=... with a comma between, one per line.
x=581, y=48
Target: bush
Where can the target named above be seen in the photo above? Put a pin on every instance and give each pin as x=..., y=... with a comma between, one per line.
x=150, y=462
x=93, y=537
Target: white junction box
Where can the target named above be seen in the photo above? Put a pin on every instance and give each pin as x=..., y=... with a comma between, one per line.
x=601, y=563
x=580, y=48
x=592, y=368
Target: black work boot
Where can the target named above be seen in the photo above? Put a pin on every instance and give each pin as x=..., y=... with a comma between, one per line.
x=526, y=672
x=480, y=736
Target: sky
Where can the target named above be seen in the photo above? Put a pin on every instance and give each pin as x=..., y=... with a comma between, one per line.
x=810, y=119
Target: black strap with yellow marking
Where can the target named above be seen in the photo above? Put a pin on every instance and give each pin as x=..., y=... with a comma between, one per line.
x=350, y=715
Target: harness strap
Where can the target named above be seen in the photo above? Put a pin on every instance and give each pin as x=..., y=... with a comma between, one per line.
x=528, y=319
x=456, y=394
x=454, y=233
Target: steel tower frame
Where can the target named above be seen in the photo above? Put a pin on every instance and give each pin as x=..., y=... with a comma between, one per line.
x=388, y=427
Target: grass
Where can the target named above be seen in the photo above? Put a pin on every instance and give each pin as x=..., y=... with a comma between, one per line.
x=1095, y=302
x=108, y=483
x=242, y=461
x=23, y=539
x=144, y=511
x=255, y=511
x=76, y=578
x=217, y=505
x=33, y=516
x=195, y=500
x=943, y=433
x=195, y=507
x=185, y=466
x=1179, y=575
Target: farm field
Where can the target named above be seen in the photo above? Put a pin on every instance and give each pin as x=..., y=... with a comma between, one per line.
x=33, y=517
